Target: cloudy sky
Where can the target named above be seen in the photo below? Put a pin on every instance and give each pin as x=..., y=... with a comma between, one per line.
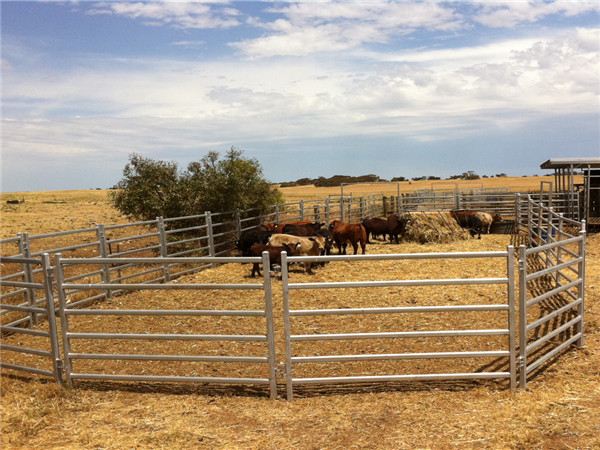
x=307, y=88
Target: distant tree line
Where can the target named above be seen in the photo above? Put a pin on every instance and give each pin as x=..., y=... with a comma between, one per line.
x=336, y=180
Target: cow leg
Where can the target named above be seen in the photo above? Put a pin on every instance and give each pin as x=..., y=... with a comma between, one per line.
x=308, y=267
x=355, y=247
x=255, y=268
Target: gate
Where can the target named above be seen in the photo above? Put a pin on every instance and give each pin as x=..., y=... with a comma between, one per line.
x=21, y=295
x=551, y=287
x=505, y=351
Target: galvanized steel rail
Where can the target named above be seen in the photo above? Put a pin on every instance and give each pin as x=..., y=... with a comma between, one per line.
x=267, y=340
x=554, y=251
x=508, y=352
x=50, y=359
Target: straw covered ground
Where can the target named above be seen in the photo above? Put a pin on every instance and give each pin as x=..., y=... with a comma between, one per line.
x=561, y=408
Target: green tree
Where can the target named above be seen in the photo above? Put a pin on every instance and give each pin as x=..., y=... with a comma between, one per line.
x=151, y=188
x=223, y=185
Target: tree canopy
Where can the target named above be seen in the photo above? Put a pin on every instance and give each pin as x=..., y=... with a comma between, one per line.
x=152, y=188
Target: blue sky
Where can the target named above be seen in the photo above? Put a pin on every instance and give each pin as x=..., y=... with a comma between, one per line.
x=309, y=89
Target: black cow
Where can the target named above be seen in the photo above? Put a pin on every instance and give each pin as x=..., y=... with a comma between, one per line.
x=250, y=237
x=468, y=221
x=308, y=229
x=397, y=227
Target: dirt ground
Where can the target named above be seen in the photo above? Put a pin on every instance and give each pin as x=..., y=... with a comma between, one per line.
x=560, y=409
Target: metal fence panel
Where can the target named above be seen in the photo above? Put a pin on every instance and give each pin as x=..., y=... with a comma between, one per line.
x=37, y=351
x=178, y=350
x=551, y=285
x=507, y=306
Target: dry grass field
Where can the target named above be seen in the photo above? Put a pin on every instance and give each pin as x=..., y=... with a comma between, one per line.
x=561, y=408
x=48, y=212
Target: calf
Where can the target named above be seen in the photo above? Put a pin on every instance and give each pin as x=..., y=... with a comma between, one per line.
x=344, y=233
x=251, y=237
x=325, y=233
x=274, y=254
x=304, y=246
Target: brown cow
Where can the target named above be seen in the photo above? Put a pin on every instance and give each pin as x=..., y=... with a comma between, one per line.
x=344, y=233
x=274, y=254
x=392, y=225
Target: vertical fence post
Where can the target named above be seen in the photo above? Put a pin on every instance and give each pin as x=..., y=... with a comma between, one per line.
x=64, y=320
x=28, y=276
x=270, y=324
x=276, y=213
x=301, y=204
x=52, y=329
x=238, y=223
x=164, y=249
x=210, y=235
x=103, y=252
x=518, y=212
x=559, y=249
x=522, y=317
x=512, y=316
x=327, y=211
x=581, y=286
x=529, y=222
x=362, y=208
x=287, y=328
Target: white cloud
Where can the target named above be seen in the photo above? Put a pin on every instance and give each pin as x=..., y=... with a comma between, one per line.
x=170, y=104
x=189, y=43
x=510, y=14
x=176, y=14
x=331, y=27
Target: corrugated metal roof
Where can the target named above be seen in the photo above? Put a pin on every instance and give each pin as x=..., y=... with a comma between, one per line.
x=565, y=163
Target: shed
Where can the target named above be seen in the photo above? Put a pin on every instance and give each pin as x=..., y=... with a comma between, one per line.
x=588, y=192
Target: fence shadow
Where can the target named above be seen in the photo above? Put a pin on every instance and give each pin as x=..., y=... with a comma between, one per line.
x=321, y=390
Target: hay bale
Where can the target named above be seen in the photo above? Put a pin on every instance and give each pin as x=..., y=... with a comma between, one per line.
x=433, y=228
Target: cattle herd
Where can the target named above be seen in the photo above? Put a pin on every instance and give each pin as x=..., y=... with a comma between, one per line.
x=305, y=238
